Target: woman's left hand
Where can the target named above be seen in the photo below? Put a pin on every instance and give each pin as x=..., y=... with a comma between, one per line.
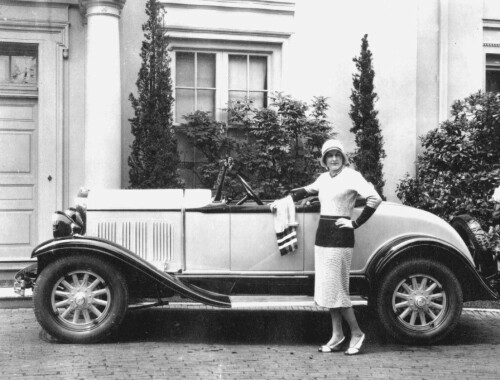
x=344, y=223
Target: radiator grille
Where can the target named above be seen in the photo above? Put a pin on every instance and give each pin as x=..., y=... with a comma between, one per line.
x=152, y=240
x=163, y=240
x=141, y=239
x=107, y=230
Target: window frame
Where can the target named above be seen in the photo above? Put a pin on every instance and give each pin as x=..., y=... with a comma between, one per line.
x=489, y=67
x=15, y=49
x=195, y=87
x=248, y=89
x=222, y=50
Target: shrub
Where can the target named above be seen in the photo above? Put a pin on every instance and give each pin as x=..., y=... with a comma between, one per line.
x=459, y=169
x=370, y=152
x=280, y=149
x=210, y=138
x=284, y=142
x=154, y=159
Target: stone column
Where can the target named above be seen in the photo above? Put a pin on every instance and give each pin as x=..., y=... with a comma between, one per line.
x=102, y=94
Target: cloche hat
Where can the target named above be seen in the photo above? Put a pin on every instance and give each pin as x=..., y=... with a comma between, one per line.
x=330, y=145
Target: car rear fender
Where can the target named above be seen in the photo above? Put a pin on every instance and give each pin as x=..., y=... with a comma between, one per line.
x=402, y=248
x=51, y=249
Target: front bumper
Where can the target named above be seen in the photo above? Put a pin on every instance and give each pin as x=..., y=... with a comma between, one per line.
x=25, y=279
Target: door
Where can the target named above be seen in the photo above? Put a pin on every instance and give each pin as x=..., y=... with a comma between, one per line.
x=18, y=178
x=254, y=246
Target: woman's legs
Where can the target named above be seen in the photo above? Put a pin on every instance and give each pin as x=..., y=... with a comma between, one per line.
x=337, y=333
x=356, y=333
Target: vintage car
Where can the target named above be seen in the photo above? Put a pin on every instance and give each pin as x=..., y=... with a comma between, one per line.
x=130, y=246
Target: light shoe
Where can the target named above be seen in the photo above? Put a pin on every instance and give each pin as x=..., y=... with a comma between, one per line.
x=354, y=350
x=332, y=347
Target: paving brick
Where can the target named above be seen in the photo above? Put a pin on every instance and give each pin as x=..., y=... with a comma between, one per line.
x=207, y=343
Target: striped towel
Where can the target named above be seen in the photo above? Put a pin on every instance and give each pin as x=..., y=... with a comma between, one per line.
x=285, y=225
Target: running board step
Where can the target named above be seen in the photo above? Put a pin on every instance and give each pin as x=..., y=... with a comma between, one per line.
x=265, y=302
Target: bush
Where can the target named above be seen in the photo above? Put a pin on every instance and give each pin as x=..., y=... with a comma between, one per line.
x=281, y=145
x=154, y=160
x=284, y=142
x=368, y=136
x=459, y=169
x=210, y=138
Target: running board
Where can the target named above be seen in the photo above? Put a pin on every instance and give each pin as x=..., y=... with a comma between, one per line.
x=266, y=302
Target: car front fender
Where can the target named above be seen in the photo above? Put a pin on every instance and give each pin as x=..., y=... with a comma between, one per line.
x=51, y=249
x=409, y=246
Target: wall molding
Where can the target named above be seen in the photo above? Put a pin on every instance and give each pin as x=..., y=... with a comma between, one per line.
x=56, y=28
x=269, y=6
x=227, y=34
x=11, y=90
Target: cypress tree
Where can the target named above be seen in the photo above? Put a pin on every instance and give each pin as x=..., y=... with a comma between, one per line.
x=370, y=152
x=154, y=159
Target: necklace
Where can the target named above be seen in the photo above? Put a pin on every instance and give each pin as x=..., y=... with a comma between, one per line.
x=336, y=173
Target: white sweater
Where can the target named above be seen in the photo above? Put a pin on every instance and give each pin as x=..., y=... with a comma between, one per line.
x=338, y=194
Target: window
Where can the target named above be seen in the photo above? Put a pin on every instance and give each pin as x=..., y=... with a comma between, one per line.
x=194, y=83
x=18, y=63
x=248, y=79
x=208, y=81
x=493, y=72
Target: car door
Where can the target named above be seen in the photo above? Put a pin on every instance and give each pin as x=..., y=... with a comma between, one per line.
x=253, y=244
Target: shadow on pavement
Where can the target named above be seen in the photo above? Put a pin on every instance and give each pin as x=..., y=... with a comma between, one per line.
x=215, y=326
x=227, y=326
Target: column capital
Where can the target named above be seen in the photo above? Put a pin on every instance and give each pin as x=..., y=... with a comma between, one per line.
x=101, y=7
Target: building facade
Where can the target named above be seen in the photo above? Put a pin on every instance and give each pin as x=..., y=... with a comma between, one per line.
x=67, y=68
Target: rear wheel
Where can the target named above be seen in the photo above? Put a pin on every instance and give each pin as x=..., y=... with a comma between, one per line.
x=80, y=299
x=419, y=301
x=477, y=241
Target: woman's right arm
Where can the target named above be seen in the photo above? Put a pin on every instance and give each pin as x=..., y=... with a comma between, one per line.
x=304, y=192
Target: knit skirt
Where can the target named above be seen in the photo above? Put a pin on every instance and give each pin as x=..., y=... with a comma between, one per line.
x=331, y=285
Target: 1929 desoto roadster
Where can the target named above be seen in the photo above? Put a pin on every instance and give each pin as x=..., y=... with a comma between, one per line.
x=414, y=269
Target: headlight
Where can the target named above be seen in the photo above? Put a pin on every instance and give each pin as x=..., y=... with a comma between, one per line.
x=73, y=220
x=68, y=223
x=61, y=224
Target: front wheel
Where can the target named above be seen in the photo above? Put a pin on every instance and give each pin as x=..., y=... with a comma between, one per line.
x=80, y=299
x=419, y=301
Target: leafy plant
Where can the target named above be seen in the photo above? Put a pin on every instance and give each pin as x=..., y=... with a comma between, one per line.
x=460, y=167
x=284, y=142
x=369, y=153
x=210, y=138
x=280, y=149
x=154, y=159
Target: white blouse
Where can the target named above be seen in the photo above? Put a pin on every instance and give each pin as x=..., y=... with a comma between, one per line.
x=338, y=194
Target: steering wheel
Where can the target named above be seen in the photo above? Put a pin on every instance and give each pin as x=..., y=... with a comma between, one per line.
x=250, y=194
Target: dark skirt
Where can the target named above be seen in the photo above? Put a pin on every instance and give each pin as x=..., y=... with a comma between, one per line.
x=330, y=235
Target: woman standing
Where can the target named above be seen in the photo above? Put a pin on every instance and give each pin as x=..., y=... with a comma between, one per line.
x=337, y=190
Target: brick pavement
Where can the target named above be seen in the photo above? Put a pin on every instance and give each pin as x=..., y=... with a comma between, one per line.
x=206, y=343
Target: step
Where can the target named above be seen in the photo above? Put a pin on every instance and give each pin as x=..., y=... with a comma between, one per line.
x=264, y=301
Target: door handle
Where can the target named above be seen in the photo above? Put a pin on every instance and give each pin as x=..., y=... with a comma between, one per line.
x=49, y=178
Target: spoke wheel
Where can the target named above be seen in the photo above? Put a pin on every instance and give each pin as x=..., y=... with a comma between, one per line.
x=419, y=301
x=80, y=298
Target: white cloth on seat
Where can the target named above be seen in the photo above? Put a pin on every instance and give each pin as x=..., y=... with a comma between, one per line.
x=285, y=225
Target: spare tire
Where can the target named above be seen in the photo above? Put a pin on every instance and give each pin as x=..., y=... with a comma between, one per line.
x=478, y=243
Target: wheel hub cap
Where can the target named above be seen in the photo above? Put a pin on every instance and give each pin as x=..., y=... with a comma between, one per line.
x=80, y=299
x=420, y=301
